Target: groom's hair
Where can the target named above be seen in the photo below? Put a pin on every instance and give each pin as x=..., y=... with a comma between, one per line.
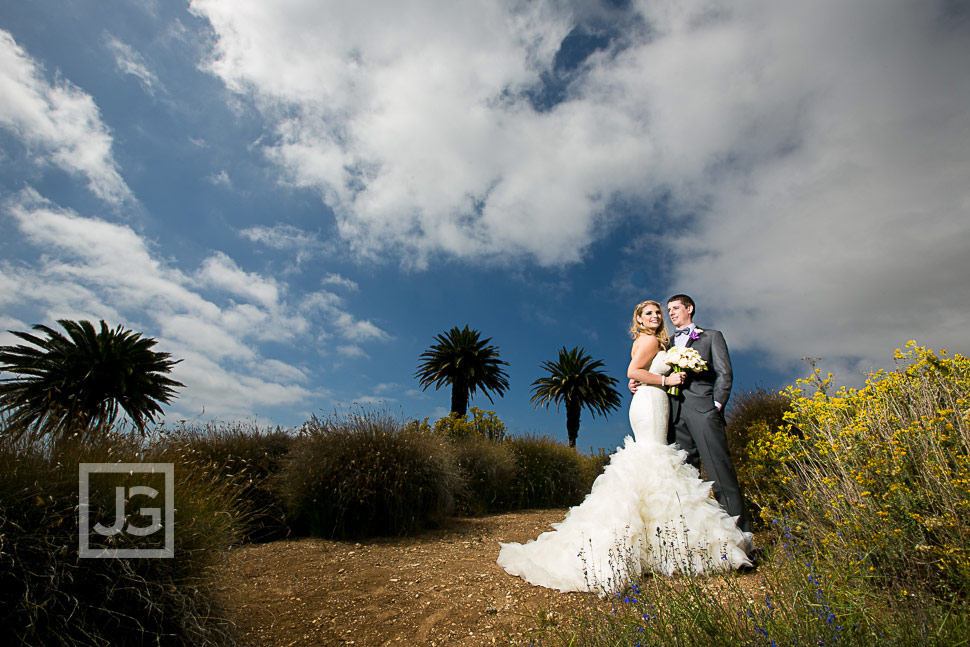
x=686, y=300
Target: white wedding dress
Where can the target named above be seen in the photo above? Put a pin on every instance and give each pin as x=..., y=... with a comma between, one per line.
x=647, y=512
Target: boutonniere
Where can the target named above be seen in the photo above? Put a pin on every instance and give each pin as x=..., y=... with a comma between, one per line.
x=695, y=334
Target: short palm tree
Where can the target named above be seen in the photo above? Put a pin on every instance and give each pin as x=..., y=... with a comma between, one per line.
x=466, y=362
x=578, y=381
x=76, y=383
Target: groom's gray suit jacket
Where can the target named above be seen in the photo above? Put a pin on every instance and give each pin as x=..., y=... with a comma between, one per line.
x=698, y=427
x=713, y=385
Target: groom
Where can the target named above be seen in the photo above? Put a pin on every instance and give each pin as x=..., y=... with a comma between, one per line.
x=697, y=414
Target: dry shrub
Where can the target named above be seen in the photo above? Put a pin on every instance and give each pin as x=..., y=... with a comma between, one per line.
x=488, y=470
x=549, y=474
x=365, y=474
x=51, y=596
x=248, y=459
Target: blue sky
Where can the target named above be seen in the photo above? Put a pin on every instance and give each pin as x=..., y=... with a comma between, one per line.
x=296, y=197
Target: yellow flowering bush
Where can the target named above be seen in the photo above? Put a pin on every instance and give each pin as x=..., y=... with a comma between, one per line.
x=483, y=424
x=880, y=475
x=764, y=468
x=756, y=436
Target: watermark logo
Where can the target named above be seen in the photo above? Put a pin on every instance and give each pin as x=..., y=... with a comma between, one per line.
x=142, y=521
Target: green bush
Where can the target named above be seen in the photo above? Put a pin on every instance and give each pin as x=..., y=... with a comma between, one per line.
x=364, y=474
x=549, y=474
x=248, y=459
x=488, y=470
x=51, y=596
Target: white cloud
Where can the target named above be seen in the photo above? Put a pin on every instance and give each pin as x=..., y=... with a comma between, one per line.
x=279, y=236
x=58, y=123
x=8, y=324
x=288, y=238
x=221, y=271
x=149, y=6
x=813, y=156
x=843, y=229
x=372, y=400
x=128, y=61
x=221, y=179
x=357, y=330
x=7, y=287
x=276, y=370
x=349, y=326
x=198, y=334
x=351, y=350
x=223, y=392
x=387, y=387
x=340, y=281
x=398, y=119
x=215, y=318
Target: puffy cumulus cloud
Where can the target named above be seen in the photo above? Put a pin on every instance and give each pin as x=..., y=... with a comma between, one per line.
x=811, y=158
x=224, y=392
x=415, y=123
x=840, y=230
x=58, y=122
x=214, y=318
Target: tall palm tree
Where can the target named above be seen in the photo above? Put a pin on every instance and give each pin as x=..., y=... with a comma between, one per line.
x=467, y=363
x=576, y=380
x=77, y=383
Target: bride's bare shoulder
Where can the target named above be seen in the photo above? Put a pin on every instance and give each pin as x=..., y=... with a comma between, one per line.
x=645, y=343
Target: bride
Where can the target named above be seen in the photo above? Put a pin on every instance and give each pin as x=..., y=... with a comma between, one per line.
x=648, y=511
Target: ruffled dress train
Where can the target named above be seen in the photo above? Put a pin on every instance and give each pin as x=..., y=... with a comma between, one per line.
x=647, y=512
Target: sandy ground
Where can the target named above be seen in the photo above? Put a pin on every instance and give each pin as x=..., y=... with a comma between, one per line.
x=441, y=587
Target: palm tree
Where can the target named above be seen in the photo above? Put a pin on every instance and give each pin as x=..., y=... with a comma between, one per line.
x=76, y=383
x=578, y=381
x=467, y=363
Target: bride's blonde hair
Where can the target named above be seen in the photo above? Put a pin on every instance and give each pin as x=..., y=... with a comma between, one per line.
x=660, y=333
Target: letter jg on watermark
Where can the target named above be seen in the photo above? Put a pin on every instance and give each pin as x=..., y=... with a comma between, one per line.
x=144, y=510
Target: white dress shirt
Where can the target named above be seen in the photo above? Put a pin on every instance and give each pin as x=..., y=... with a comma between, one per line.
x=681, y=340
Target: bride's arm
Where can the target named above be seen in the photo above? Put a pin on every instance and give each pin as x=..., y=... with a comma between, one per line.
x=644, y=350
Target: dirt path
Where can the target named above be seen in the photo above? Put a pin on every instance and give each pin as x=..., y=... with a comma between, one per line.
x=440, y=588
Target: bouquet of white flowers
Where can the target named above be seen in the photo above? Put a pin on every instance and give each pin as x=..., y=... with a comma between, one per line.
x=683, y=359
